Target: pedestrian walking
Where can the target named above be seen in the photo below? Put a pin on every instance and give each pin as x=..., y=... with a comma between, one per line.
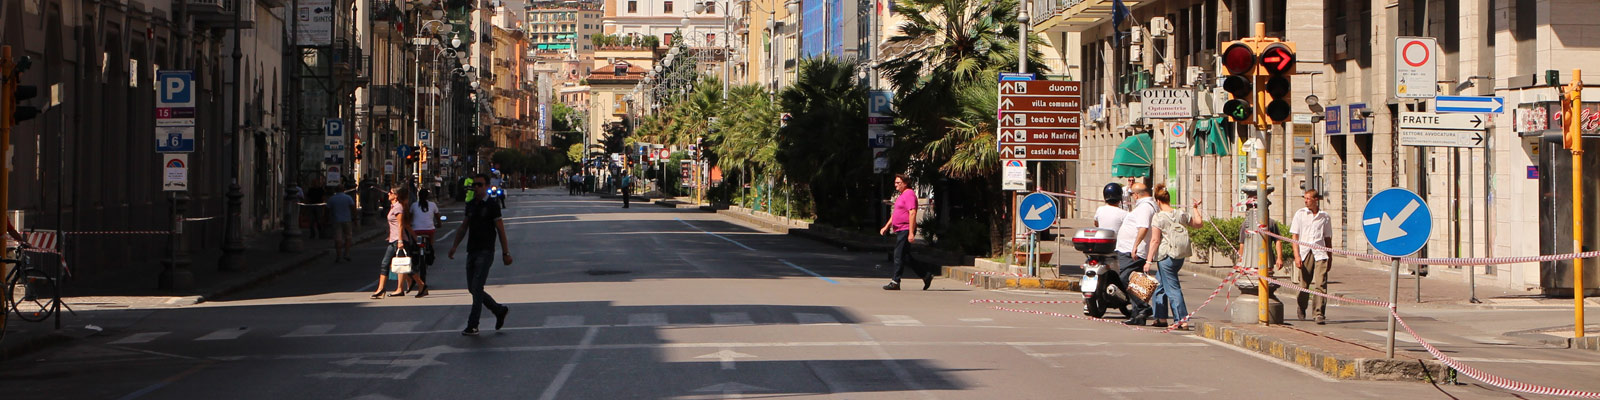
x=424, y=220
x=1169, y=246
x=399, y=220
x=572, y=184
x=903, y=222
x=480, y=228
x=1131, y=255
x=342, y=209
x=1312, y=225
x=315, y=197
x=627, y=189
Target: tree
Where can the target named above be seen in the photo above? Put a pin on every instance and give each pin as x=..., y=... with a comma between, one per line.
x=575, y=153
x=822, y=148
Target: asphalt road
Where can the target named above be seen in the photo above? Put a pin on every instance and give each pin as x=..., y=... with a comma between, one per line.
x=650, y=302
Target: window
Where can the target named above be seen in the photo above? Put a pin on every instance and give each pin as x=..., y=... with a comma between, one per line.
x=667, y=5
x=711, y=38
x=633, y=6
x=667, y=40
x=711, y=8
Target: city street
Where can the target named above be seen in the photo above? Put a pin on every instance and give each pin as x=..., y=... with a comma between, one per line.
x=651, y=302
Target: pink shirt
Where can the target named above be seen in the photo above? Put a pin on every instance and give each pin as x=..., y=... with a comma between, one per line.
x=900, y=219
x=395, y=231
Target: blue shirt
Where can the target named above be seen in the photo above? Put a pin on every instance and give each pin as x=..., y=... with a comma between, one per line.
x=340, y=204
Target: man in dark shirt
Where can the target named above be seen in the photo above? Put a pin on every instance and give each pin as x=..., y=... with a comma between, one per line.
x=482, y=225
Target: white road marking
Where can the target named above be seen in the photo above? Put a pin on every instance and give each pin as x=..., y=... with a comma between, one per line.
x=1042, y=357
x=731, y=318
x=310, y=330
x=397, y=327
x=572, y=364
x=713, y=234
x=1297, y=367
x=1121, y=392
x=1528, y=361
x=563, y=321
x=225, y=334
x=137, y=338
x=898, y=320
x=726, y=357
x=977, y=320
x=647, y=319
x=808, y=272
x=721, y=345
x=1402, y=336
x=815, y=319
x=894, y=365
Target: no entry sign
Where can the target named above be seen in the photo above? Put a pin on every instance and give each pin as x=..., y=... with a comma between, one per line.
x=1416, y=70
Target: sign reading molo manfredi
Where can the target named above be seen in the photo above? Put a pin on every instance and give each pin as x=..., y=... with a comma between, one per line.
x=1163, y=103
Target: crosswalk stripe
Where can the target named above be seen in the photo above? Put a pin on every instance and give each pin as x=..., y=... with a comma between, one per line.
x=815, y=319
x=898, y=320
x=225, y=334
x=397, y=327
x=311, y=330
x=1402, y=336
x=144, y=337
x=731, y=318
x=563, y=321
x=647, y=319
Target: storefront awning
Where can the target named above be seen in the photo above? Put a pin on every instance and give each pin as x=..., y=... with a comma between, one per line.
x=1210, y=138
x=1132, y=158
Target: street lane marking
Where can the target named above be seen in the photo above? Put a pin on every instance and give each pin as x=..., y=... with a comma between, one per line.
x=731, y=318
x=894, y=365
x=225, y=334
x=1297, y=367
x=572, y=364
x=898, y=320
x=713, y=234
x=1528, y=361
x=815, y=319
x=807, y=271
x=563, y=321
x=397, y=327
x=977, y=320
x=445, y=349
x=1042, y=357
x=311, y=330
x=647, y=319
x=137, y=338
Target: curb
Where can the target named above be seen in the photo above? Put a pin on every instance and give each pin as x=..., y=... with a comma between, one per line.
x=263, y=275
x=1337, y=367
x=966, y=274
x=1590, y=343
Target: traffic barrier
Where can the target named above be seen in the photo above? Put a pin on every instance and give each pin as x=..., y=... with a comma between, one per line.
x=1439, y=261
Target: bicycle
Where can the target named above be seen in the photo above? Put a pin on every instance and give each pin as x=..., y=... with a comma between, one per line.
x=29, y=291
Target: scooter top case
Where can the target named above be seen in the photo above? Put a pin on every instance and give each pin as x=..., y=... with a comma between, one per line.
x=1095, y=241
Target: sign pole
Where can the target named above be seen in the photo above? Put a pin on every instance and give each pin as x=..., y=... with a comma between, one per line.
x=1394, y=294
x=1571, y=120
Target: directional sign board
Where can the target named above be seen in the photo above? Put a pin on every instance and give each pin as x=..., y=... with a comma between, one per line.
x=1470, y=104
x=1397, y=222
x=1416, y=71
x=1441, y=130
x=1039, y=120
x=1037, y=211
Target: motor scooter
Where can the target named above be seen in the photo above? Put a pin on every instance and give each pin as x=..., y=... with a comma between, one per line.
x=498, y=194
x=1101, y=286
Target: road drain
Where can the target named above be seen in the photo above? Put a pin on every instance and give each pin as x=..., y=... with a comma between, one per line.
x=605, y=272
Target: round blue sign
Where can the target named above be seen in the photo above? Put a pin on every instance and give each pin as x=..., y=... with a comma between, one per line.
x=1037, y=211
x=1397, y=222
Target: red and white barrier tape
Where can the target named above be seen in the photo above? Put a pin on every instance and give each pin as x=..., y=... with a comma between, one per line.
x=1225, y=282
x=1439, y=261
x=1490, y=378
x=118, y=232
x=979, y=301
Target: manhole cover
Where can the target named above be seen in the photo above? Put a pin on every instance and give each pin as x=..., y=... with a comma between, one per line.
x=606, y=272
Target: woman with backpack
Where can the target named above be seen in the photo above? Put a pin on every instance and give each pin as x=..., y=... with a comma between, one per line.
x=1169, y=246
x=424, y=220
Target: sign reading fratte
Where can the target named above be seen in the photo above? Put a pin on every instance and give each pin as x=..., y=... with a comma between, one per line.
x=1167, y=103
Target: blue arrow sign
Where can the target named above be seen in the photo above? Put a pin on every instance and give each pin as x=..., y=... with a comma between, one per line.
x=1470, y=104
x=1037, y=211
x=1397, y=222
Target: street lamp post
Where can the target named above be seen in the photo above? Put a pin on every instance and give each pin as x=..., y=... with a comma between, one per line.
x=233, y=242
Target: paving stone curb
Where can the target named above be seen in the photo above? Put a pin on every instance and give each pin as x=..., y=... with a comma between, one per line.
x=1333, y=365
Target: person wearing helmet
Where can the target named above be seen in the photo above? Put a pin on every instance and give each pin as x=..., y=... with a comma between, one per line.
x=1110, y=216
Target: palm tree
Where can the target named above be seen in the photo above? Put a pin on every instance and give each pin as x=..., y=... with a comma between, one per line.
x=822, y=148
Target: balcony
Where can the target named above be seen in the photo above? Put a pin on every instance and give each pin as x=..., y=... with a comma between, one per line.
x=393, y=101
x=219, y=13
x=1072, y=15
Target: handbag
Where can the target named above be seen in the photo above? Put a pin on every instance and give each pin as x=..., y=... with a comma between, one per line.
x=1142, y=285
x=401, y=263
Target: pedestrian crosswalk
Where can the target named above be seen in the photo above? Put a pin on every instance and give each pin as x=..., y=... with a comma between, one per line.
x=632, y=320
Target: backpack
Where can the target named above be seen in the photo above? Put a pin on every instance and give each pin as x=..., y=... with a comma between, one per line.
x=1174, y=237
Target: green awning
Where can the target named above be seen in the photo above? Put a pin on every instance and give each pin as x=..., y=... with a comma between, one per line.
x=1132, y=158
x=1210, y=137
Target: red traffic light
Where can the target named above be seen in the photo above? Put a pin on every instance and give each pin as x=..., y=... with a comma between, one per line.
x=1278, y=59
x=1238, y=58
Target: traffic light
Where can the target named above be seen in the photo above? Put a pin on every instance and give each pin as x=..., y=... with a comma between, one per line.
x=357, y=144
x=15, y=94
x=1277, y=61
x=424, y=154
x=1239, y=59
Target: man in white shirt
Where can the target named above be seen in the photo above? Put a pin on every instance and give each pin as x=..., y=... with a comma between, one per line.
x=1312, y=225
x=1110, y=216
x=1130, y=249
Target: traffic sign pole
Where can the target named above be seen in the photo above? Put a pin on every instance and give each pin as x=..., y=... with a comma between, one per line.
x=1394, y=295
x=1570, y=130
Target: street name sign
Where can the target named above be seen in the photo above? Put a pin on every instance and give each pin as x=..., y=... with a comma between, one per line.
x=1416, y=70
x=1043, y=152
x=1038, y=136
x=1470, y=104
x=1441, y=130
x=1037, y=211
x=1041, y=88
x=1060, y=104
x=1397, y=222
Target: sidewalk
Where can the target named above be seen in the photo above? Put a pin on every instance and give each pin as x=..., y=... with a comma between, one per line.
x=263, y=263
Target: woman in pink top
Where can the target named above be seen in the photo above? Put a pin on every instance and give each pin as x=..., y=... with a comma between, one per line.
x=903, y=222
x=400, y=233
